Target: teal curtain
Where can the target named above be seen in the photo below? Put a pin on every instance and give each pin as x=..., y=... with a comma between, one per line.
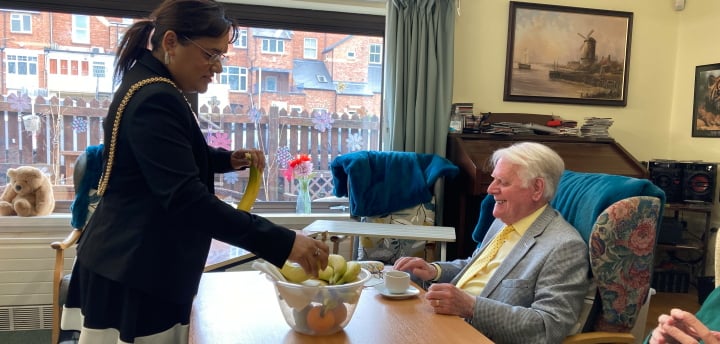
x=419, y=50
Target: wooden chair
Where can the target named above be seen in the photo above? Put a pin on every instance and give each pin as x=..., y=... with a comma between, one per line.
x=86, y=175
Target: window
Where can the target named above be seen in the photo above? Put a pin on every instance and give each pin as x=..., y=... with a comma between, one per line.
x=22, y=65
x=310, y=51
x=351, y=54
x=375, y=53
x=241, y=42
x=246, y=90
x=98, y=69
x=68, y=67
x=273, y=46
x=235, y=77
x=271, y=84
x=20, y=23
x=80, y=29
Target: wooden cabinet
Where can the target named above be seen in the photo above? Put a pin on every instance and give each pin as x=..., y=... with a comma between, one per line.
x=471, y=152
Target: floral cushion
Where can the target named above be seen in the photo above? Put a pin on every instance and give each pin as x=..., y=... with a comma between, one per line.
x=622, y=244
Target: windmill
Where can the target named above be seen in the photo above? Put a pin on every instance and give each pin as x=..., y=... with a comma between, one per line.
x=587, y=49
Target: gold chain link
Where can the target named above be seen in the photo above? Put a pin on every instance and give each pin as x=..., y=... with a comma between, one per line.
x=116, y=127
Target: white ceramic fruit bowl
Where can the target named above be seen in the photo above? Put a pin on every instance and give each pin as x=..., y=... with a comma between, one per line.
x=322, y=309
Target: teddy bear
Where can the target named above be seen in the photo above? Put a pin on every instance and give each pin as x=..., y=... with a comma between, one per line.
x=29, y=193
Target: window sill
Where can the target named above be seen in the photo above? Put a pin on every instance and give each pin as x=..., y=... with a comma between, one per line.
x=60, y=222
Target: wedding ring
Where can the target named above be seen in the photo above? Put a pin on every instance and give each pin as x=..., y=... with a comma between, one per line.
x=317, y=252
x=437, y=303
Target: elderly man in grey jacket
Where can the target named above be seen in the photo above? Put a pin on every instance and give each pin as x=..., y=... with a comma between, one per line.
x=527, y=281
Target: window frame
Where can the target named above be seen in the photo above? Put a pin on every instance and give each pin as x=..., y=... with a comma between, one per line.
x=246, y=15
x=310, y=50
x=24, y=18
x=80, y=34
x=372, y=54
x=16, y=63
x=241, y=42
x=242, y=78
x=272, y=46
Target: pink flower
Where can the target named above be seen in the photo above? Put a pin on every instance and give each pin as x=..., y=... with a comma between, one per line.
x=642, y=239
x=301, y=167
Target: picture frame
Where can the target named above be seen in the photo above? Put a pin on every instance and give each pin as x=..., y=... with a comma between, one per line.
x=571, y=55
x=706, y=101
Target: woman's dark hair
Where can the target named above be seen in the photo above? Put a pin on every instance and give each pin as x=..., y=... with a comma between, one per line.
x=188, y=18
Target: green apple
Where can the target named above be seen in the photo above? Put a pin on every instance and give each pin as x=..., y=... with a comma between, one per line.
x=293, y=272
x=326, y=274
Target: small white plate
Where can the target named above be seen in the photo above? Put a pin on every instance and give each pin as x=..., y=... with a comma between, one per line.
x=410, y=292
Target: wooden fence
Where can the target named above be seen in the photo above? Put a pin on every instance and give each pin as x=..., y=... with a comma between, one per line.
x=69, y=125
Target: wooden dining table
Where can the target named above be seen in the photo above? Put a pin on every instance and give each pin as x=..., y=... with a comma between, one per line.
x=242, y=307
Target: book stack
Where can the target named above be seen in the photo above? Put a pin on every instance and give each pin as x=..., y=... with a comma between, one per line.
x=465, y=111
x=569, y=128
x=596, y=127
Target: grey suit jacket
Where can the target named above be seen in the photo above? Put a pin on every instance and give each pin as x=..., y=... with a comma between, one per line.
x=536, y=294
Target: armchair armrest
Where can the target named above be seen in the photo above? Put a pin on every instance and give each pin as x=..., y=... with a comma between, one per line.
x=60, y=247
x=69, y=241
x=600, y=338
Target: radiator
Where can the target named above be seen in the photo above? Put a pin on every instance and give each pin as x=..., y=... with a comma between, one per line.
x=22, y=318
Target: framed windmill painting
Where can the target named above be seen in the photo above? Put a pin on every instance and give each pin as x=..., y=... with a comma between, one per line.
x=560, y=54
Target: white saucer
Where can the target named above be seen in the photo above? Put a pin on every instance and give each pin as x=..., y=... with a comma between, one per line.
x=410, y=292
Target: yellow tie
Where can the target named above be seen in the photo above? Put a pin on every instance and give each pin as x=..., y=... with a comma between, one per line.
x=486, y=256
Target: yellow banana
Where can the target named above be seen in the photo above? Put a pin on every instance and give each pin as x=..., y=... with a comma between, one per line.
x=251, y=190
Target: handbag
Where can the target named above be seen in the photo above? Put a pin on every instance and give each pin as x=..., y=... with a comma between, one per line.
x=105, y=177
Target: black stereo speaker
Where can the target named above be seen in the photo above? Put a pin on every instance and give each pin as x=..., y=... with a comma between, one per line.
x=699, y=182
x=668, y=175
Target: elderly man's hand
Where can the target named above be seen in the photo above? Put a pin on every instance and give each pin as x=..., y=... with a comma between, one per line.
x=446, y=298
x=416, y=266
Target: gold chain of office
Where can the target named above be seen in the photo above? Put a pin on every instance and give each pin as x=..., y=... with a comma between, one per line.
x=105, y=177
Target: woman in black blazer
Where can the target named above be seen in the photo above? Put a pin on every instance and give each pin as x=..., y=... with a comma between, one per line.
x=141, y=256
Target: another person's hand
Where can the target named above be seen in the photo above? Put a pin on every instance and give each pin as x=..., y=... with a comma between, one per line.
x=446, y=298
x=417, y=267
x=311, y=254
x=682, y=327
x=242, y=158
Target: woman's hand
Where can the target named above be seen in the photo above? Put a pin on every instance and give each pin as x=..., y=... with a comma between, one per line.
x=311, y=254
x=243, y=158
x=682, y=327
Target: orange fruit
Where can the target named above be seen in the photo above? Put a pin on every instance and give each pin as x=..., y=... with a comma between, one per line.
x=340, y=312
x=320, y=319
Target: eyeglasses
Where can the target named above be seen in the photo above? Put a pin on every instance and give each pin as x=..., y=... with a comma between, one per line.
x=212, y=58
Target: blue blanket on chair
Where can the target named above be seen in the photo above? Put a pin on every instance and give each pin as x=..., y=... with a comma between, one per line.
x=379, y=183
x=580, y=198
x=90, y=180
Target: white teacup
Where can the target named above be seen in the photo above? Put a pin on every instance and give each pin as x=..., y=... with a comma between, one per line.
x=396, y=281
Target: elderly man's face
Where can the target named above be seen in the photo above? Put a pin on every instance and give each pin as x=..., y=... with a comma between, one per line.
x=513, y=200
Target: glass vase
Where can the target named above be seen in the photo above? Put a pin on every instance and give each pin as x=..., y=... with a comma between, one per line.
x=303, y=205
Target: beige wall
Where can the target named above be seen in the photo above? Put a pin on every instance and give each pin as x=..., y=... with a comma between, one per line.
x=642, y=127
x=667, y=45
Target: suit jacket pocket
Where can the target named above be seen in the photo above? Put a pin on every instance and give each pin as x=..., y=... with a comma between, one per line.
x=517, y=292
